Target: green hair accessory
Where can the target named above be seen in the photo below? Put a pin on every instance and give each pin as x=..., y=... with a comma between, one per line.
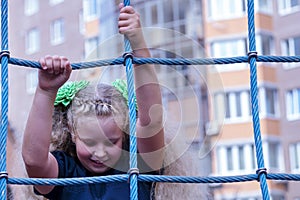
x=67, y=92
x=121, y=86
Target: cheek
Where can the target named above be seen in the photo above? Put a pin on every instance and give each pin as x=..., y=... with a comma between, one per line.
x=82, y=151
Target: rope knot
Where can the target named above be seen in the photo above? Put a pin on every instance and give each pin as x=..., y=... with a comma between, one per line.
x=133, y=171
x=4, y=174
x=259, y=172
x=252, y=54
x=127, y=55
x=4, y=53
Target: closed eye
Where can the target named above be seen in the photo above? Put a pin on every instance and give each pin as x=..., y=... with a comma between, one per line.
x=88, y=142
x=111, y=142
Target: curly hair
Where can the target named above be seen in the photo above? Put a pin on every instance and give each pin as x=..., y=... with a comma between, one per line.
x=94, y=100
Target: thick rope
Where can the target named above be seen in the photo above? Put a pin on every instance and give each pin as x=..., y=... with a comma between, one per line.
x=132, y=118
x=254, y=101
x=133, y=176
x=165, y=61
x=4, y=98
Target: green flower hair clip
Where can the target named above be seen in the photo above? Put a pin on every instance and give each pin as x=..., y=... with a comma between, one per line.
x=67, y=92
x=121, y=86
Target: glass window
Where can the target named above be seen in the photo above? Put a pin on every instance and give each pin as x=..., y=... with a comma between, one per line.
x=268, y=102
x=288, y=6
x=32, y=41
x=229, y=48
x=229, y=158
x=168, y=13
x=239, y=158
x=57, y=31
x=265, y=44
x=31, y=7
x=90, y=9
x=81, y=22
x=265, y=6
x=273, y=155
x=237, y=105
x=290, y=47
x=91, y=47
x=31, y=81
x=220, y=9
x=294, y=156
x=293, y=104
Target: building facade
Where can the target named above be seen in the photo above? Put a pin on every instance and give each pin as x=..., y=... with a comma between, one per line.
x=230, y=128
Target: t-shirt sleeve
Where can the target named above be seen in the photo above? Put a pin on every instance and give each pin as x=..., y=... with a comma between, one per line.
x=67, y=168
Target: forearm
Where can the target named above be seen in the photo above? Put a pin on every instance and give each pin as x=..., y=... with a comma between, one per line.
x=37, y=133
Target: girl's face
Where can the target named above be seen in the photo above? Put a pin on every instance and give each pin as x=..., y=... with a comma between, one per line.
x=98, y=143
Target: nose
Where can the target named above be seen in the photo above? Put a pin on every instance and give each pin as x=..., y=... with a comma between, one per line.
x=99, y=153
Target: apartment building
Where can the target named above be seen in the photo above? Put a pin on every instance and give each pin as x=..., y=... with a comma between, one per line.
x=230, y=128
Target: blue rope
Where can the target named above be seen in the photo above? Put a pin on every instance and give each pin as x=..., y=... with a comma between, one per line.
x=164, y=61
x=254, y=100
x=133, y=176
x=4, y=98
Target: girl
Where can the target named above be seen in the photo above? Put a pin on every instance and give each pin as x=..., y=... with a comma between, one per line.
x=93, y=125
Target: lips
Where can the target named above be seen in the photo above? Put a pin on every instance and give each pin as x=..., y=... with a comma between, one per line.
x=97, y=163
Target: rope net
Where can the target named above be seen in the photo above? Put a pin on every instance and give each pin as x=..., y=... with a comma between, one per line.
x=252, y=58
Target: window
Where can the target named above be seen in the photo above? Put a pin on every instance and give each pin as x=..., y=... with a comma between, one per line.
x=91, y=47
x=90, y=9
x=294, y=157
x=152, y=13
x=32, y=41
x=238, y=158
x=54, y=2
x=81, y=22
x=31, y=81
x=264, y=6
x=57, y=31
x=31, y=7
x=265, y=44
x=237, y=105
x=268, y=102
x=221, y=9
x=229, y=48
x=290, y=47
x=293, y=104
x=288, y=6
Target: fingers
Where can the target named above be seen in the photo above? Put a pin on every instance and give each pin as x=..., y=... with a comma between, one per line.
x=55, y=64
x=129, y=19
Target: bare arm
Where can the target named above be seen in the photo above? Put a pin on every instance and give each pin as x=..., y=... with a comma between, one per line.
x=35, y=150
x=150, y=131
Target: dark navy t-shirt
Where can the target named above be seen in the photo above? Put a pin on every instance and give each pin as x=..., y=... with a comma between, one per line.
x=70, y=168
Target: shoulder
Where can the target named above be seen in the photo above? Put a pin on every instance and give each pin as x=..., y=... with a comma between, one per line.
x=68, y=166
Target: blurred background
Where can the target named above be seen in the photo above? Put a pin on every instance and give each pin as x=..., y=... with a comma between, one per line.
x=210, y=103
